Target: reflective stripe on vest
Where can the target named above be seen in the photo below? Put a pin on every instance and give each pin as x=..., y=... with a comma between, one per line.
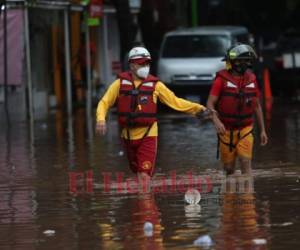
x=237, y=104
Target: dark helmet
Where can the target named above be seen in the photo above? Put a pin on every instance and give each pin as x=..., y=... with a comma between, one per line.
x=240, y=51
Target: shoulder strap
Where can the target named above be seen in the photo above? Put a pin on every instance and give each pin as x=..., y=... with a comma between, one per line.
x=248, y=77
x=125, y=75
x=226, y=76
x=151, y=78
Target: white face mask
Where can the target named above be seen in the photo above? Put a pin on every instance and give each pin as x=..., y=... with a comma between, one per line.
x=143, y=72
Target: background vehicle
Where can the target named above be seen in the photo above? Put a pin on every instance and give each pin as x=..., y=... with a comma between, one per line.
x=189, y=58
x=285, y=71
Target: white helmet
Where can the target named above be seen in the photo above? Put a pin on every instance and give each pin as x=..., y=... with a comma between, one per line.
x=138, y=52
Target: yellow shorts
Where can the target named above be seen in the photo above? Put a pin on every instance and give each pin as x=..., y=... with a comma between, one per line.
x=242, y=147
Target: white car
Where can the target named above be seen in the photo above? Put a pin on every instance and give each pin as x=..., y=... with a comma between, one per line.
x=189, y=58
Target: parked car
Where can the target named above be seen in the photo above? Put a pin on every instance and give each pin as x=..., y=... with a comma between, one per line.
x=189, y=58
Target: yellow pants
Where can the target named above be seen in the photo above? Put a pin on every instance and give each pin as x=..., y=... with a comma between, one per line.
x=242, y=144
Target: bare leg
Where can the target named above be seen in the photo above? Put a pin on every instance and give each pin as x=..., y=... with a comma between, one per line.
x=245, y=166
x=143, y=176
x=144, y=182
x=229, y=167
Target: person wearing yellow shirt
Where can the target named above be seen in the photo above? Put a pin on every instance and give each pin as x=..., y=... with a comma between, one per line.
x=136, y=93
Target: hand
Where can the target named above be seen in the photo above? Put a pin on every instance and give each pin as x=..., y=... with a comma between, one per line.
x=205, y=114
x=202, y=113
x=263, y=138
x=101, y=127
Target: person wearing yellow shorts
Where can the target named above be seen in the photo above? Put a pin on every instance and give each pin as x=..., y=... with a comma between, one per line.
x=234, y=100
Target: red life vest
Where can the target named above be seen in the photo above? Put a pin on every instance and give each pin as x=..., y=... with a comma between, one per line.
x=237, y=102
x=136, y=107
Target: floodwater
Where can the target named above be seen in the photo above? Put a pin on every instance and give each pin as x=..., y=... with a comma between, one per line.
x=52, y=192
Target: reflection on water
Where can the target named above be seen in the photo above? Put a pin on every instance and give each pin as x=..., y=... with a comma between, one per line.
x=239, y=222
x=38, y=164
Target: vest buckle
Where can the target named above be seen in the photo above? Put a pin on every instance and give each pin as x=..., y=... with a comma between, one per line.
x=134, y=92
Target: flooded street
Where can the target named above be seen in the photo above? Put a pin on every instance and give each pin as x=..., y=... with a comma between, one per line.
x=53, y=193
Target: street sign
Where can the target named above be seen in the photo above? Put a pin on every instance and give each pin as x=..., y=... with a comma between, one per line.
x=96, y=8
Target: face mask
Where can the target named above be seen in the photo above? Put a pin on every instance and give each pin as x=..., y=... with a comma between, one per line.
x=143, y=72
x=240, y=68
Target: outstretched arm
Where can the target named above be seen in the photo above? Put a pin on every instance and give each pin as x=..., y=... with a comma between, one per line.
x=167, y=97
x=261, y=124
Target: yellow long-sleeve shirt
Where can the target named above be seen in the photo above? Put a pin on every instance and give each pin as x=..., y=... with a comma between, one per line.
x=165, y=95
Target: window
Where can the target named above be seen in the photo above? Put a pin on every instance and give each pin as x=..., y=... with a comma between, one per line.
x=195, y=46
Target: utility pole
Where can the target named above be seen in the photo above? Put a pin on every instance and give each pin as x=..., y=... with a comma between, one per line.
x=68, y=62
x=28, y=65
x=5, y=78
